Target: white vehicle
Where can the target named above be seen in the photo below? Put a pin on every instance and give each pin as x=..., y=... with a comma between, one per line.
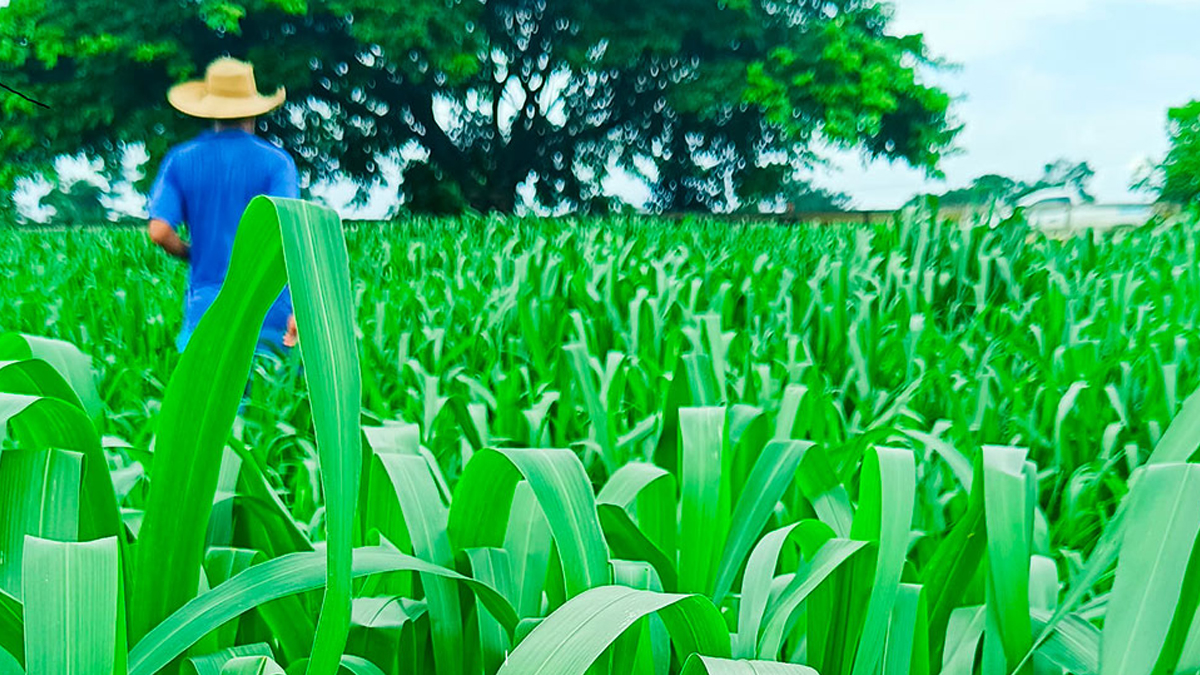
x=1065, y=209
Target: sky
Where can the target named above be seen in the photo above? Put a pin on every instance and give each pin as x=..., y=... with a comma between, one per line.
x=1033, y=81
x=1038, y=80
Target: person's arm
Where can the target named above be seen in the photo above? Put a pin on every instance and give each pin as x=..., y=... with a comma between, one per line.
x=167, y=211
x=162, y=234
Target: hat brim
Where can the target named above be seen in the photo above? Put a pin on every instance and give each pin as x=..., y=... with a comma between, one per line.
x=192, y=98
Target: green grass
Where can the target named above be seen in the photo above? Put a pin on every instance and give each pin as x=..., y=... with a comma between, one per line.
x=607, y=446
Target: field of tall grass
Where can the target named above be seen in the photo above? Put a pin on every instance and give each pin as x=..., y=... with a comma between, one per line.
x=626, y=446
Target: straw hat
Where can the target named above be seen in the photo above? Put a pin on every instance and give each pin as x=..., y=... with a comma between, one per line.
x=226, y=92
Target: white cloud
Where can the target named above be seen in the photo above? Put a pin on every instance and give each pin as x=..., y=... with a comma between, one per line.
x=964, y=31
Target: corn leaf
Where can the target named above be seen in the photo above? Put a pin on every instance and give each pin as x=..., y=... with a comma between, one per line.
x=39, y=493
x=810, y=535
x=483, y=499
x=274, y=579
x=700, y=665
x=278, y=240
x=74, y=609
x=768, y=480
x=885, y=514
x=568, y=641
x=1008, y=512
x=211, y=664
x=425, y=518
x=1151, y=567
x=528, y=542
x=66, y=359
x=704, y=496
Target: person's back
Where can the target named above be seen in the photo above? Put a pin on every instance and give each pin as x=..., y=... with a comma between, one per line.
x=229, y=167
x=206, y=183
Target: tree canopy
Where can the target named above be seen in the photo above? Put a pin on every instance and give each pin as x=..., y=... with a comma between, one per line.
x=1177, y=178
x=714, y=103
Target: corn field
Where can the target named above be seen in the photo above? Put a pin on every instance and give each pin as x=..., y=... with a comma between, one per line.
x=536, y=447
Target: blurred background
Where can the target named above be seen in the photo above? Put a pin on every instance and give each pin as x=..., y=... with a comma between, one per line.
x=600, y=106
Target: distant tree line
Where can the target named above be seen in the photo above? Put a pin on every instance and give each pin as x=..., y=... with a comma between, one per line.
x=1001, y=190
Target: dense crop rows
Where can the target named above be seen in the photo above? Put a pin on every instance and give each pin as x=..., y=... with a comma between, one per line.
x=914, y=448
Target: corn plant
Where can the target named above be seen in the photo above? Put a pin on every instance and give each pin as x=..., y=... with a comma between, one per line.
x=921, y=448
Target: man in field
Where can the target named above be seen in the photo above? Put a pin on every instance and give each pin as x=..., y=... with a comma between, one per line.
x=207, y=182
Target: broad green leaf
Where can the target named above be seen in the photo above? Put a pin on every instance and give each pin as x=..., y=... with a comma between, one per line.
x=9, y=664
x=885, y=515
x=274, y=579
x=483, y=498
x=271, y=527
x=768, y=480
x=760, y=573
x=40, y=423
x=491, y=566
x=1181, y=439
x=824, y=490
x=1189, y=660
x=383, y=630
x=647, y=493
x=357, y=665
x=1043, y=583
x=74, y=608
x=568, y=641
x=1008, y=512
x=963, y=633
x=627, y=542
x=704, y=496
x=702, y=665
x=528, y=542
x=782, y=613
x=907, y=649
x=425, y=518
x=278, y=241
x=1150, y=570
x=211, y=664
x=578, y=358
x=949, y=573
x=72, y=364
x=789, y=409
x=647, y=650
x=1074, y=645
x=318, y=271
x=39, y=495
x=1177, y=444
x=718, y=345
x=223, y=562
x=252, y=665
x=34, y=377
x=959, y=465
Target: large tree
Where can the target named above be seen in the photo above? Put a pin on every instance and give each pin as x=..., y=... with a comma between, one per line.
x=1177, y=178
x=714, y=102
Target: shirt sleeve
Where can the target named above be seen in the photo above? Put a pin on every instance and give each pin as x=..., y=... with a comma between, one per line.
x=285, y=180
x=166, y=199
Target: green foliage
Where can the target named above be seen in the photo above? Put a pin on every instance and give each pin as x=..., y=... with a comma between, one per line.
x=987, y=189
x=1181, y=168
x=994, y=189
x=614, y=446
x=76, y=204
x=554, y=92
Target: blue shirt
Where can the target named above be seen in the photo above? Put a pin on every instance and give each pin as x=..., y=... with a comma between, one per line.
x=207, y=183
